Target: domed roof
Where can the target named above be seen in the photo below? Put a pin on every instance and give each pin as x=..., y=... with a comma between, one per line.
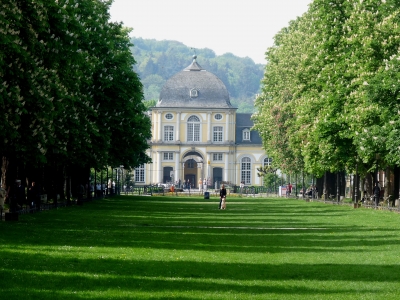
x=194, y=87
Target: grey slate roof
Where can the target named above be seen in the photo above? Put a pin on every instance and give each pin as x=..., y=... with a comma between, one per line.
x=243, y=121
x=211, y=91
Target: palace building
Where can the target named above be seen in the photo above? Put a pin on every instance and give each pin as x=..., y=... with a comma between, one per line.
x=198, y=135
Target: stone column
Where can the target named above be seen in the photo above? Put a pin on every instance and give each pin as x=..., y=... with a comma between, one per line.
x=176, y=171
x=209, y=129
x=227, y=115
x=152, y=173
x=159, y=133
x=178, y=126
x=159, y=168
x=226, y=169
x=208, y=168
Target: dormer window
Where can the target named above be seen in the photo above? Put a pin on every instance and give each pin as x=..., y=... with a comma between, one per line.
x=246, y=135
x=194, y=93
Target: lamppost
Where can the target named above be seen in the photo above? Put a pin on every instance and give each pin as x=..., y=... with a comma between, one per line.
x=115, y=185
x=356, y=185
x=377, y=178
x=337, y=187
x=121, y=167
x=200, y=166
x=183, y=181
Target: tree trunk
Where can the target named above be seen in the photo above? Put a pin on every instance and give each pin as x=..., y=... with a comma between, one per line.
x=4, y=168
x=368, y=183
x=388, y=187
x=363, y=188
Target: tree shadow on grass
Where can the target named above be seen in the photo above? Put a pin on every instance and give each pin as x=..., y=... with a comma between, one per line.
x=74, y=274
x=139, y=223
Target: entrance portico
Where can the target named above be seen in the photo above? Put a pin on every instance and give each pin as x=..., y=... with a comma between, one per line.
x=192, y=168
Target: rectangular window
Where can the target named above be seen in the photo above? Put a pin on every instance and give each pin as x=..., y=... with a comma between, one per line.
x=217, y=156
x=139, y=174
x=193, y=132
x=267, y=161
x=168, y=156
x=217, y=134
x=168, y=133
x=246, y=135
x=246, y=177
x=246, y=172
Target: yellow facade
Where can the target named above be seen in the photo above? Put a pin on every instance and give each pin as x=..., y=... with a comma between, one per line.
x=198, y=135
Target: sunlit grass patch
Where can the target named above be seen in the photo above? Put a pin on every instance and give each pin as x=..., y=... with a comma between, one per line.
x=185, y=248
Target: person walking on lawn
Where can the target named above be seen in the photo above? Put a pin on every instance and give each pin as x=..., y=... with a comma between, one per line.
x=222, y=194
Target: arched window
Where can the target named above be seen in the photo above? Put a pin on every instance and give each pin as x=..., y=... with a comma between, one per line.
x=267, y=161
x=194, y=93
x=245, y=170
x=139, y=174
x=193, y=129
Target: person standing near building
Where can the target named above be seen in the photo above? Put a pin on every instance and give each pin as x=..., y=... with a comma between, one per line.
x=377, y=193
x=222, y=194
x=241, y=187
x=290, y=189
x=33, y=196
x=16, y=196
x=200, y=183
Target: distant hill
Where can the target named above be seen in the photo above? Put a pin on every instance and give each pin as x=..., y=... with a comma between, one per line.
x=159, y=60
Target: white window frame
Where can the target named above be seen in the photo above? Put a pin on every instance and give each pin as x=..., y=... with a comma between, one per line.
x=218, y=117
x=169, y=114
x=218, y=157
x=140, y=173
x=245, y=170
x=246, y=135
x=194, y=93
x=267, y=161
x=193, y=129
x=168, y=156
x=168, y=133
x=218, y=134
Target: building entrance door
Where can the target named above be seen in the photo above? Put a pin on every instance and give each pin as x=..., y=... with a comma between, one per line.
x=192, y=180
x=192, y=168
x=167, y=174
x=217, y=177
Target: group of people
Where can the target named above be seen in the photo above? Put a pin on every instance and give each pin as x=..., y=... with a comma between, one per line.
x=311, y=191
x=101, y=189
x=203, y=184
x=376, y=191
x=16, y=197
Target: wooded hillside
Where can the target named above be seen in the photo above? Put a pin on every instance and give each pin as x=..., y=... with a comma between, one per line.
x=159, y=60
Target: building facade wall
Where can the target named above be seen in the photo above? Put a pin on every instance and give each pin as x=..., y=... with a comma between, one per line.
x=173, y=151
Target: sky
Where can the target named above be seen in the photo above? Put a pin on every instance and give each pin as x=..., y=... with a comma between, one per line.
x=244, y=28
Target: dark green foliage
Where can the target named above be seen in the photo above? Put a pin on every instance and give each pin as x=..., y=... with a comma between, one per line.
x=68, y=92
x=157, y=61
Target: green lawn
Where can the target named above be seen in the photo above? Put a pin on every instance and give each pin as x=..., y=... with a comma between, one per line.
x=133, y=247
